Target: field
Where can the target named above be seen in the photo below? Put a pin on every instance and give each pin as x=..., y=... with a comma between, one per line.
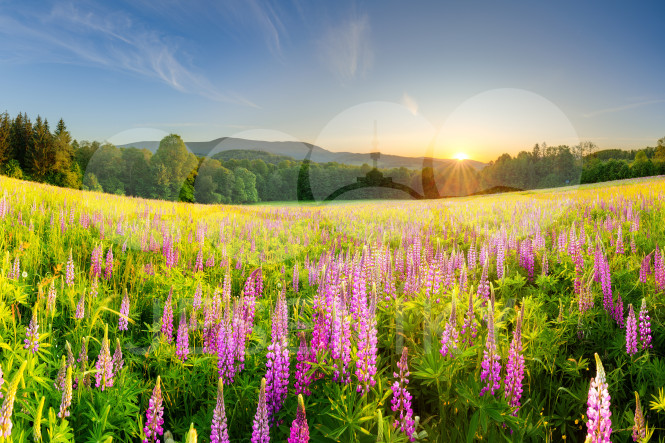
x=451, y=320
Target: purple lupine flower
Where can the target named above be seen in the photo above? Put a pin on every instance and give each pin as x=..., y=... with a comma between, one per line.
x=305, y=357
x=94, y=287
x=619, y=245
x=296, y=277
x=631, y=332
x=645, y=327
x=80, y=308
x=515, y=367
x=260, y=430
x=154, y=416
x=367, y=340
x=225, y=352
x=401, y=401
x=66, y=400
x=469, y=329
x=299, y=428
x=83, y=359
x=618, y=311
x=182, y=341
x=639, y=425
x=59, y=382
x=124, y=313
x=450, y=336
x=491, y=367
x=96, y=261
x=117, y=362
x=599, y=426
x=69, y=277
x=484, y=285
x=199, y=260
x=108, y=269
x=31, y=334
x=277, y=365
x=340, y=347
x=219, y=432
x=645, y=268
x=104, y=365
x=8, y=404
x=167, y=318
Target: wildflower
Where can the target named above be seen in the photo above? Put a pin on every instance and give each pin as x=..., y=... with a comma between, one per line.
x=469, y=328
x=50, y=299
x=167, y=318
x=80, y=308
x=299, y=428
x=401, y=401
x=31, y=334
x=296, y=277
x=182, y=341
x=305, y=358
x=260, y=430
x=59, y=382
x=619, y=242
x=631, y=332
x=515, y=367
x=124, y=313
x=37, y=426
x=277, y=365
x=96, y=261
x=154, y=415
x=218, y=431
x=104, y=365
x=66, y=401
x=599, y=426
x=117, y=362
x=450, y=336
x=490, y=365
x=225, y=352
x=69, y=278
x=8, y=404
x=639, y=426
x=340, y=343
x=645, y=327
x=366, y=363
x=24, y=274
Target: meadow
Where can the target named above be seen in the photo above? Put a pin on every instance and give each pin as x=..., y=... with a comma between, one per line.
x=533, y=316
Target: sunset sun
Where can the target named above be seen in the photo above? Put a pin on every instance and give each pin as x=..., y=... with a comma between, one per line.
x=461, y=156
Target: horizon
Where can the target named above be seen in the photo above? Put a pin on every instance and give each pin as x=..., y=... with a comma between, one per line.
x=446, y=79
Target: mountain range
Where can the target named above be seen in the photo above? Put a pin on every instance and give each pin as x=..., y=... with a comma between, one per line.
x=298, y=151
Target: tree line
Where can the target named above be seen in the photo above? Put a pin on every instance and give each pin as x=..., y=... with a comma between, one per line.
x=31, y=151
x=551, y=166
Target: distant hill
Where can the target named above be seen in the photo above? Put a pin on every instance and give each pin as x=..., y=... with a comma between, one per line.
x=238, y=154
x=298, y=151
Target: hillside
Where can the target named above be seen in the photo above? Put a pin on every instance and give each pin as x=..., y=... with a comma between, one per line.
x=298, y=151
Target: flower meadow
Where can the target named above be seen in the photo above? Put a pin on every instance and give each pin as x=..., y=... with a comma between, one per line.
x=533, y=316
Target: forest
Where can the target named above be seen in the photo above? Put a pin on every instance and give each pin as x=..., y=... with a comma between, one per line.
x=31, y=151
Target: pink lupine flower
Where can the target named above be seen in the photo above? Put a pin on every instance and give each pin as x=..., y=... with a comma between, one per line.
x=277, y=365
x=645, y=327
x=108, y=269
x=66, y=400
x=154, y=416
x=305, y=358
x=491, y=367
x=167, y=318
x=104, y=365
x=299, y=429
x=124, y=313
x=31, y=334
x=260, y=430
x=80, y=308
x=117, y=362
x=219, y=432
x=469, y=329
x=401, y=401
x=631, y=332
x=182, y=340
x=599, y=426
x=515, y=366
x=450, y=336
x=69, y=277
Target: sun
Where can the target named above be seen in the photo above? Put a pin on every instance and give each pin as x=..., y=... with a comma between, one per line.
x=461, y=156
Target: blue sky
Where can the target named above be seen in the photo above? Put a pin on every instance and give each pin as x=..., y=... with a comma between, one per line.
x=479, y=77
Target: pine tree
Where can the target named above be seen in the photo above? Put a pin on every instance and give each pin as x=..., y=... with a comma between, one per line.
x=41, y=158
x=5, y=129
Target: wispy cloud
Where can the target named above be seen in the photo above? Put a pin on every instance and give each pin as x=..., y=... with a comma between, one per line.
x=346, y=48
x=116, y=41
x=622, y=108
x=410, y=103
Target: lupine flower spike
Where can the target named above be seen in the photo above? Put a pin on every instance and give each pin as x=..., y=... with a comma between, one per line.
x=299, y=428
x=261, y=432
x=124, y=313
x=599, y=426
x=182, y=341
x=66, y=395
x=154, y=416
x=639, y=426
x=450, y=335
x=491, y=368
x=8, y=404
x=31, y=334
x=219, y=432
x=515, y=366
x=631, y=332
x=167, y=318
x=401, y=401
x=104, y=365
x=645, y=327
